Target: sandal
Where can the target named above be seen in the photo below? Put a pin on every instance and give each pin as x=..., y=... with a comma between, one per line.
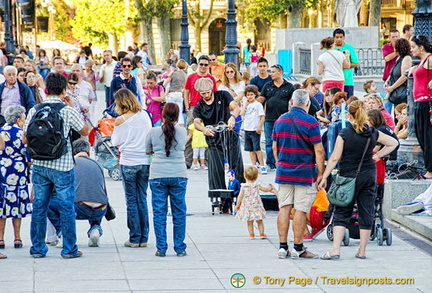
x=2, y=244
x=18, y=243
x=360, y=256
x=327, y=256
x=2, y=256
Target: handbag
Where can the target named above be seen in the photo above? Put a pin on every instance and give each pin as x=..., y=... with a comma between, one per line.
x=400, y=94
x=342, y=189
x=110, y=213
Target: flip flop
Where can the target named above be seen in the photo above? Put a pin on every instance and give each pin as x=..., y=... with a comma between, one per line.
x=357, y=255
x=327, y=256
x=2, y=256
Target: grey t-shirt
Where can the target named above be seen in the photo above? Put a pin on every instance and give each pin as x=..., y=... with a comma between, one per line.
x=178, y=80
x=161, y=165
x=89, y=181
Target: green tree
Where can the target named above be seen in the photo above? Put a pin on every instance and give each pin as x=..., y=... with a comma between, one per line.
x=375, y=13
x=62, y=18
x=199, y=19
x=164, y=14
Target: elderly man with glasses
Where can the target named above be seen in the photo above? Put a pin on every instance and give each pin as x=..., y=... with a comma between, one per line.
x=275, y=96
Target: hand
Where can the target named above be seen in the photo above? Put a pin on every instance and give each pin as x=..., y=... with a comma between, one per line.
x=208, y=132
x=430, y=84
x=231, y=122
x=68, y=101
x=85, y=109
x=321, y=182
x=375, y=157
x=258, y=131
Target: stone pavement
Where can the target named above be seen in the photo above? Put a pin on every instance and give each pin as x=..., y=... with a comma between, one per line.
x=218, y=248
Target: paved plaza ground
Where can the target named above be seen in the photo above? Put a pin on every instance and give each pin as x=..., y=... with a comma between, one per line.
x=218, y=248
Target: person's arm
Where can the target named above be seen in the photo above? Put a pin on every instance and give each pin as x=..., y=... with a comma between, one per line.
x=203, y=129
x=352, y=57
x=2, y=143
x=149, y=145
x=388, y=56
x=240, y=198
x=260, y=125
x=406, y=64
x=186, y=98
x=321, y=118
x=331, y=163
x=389, y=145
x=102, y=73
x=346, y=64
x=275, y=153
x=320, y=68
x=319, y=160
x=234, y=107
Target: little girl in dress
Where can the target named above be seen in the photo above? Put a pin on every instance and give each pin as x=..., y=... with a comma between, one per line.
x=249, y=205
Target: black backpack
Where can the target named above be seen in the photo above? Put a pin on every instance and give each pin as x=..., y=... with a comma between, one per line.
x=45, y=136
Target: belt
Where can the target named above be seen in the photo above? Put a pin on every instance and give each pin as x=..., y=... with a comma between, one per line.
x=92, y=208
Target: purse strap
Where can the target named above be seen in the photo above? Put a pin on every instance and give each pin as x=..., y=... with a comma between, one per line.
x=335, y=58
x=308, y=143
x=364, y=153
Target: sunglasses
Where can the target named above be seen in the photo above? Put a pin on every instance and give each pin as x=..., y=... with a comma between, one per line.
x=212, y=59
x=229, y=72
x=202, y=64
x=126, y=66
x=74, y=83
x=278, y=66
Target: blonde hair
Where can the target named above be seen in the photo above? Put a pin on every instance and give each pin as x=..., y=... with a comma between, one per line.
x=400, y=107
x=310, y=80
x=181, y=64
x=251, y=173
x=126, y=101
x=237, y=77
x=358, y=113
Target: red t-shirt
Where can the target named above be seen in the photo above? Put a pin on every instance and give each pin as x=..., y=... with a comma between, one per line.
x=194, y=96
x=386, y=50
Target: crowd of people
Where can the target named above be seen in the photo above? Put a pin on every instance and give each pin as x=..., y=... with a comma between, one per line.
x=193, y=116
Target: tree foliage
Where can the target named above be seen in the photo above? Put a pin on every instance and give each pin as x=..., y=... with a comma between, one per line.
x=62, y=18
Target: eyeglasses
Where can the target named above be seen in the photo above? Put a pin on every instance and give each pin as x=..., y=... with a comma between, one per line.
x=278, y=66
x=229, y=72
x=202, y=64
x=74, y=83
x=126, y=66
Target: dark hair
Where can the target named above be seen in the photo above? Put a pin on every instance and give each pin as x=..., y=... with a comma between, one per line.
x=424, y=41
x=22, y=50
x=36, y=93
x=151, y=75
x=248, y=42
x=212, y=53
x=42, y=51
x=135, y=60
x=406, y=27
x=125, y=59
x=334, y=90
x=327, y=43
x=251, y=89
x=19, y=57
x=73, y=76
x=80, y=145
x=394, y=31
x=55, y=83
x=170, y=112
x=403, y=47
x=253, y=48
x=376, y=118
x=204, y=57
x=21, y=70
x=121, y=55
x=262, y=59
x=339, y=96
x=338, y=31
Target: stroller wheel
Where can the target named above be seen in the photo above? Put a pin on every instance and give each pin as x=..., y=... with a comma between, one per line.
x=346, y=239
x=115, y=173
x=330, y=232
x=380, y=236
x=388, y=236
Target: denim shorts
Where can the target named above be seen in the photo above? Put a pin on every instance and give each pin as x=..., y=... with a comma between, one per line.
x=252, y=141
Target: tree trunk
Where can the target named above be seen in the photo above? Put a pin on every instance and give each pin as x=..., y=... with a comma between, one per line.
x=294, y=16
x=165, y=35
x=198, y=31
x=149, y=33
x=375, y=13
x=113, y=43
x=140, y=8
x=364, y=13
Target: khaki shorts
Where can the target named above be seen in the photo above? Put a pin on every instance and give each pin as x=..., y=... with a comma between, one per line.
x=301, y=196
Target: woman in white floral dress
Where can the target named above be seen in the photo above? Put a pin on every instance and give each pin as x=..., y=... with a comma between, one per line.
x=14, y=194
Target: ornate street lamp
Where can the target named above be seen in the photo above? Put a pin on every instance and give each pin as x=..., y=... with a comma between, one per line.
x=231, y=52
x=184, y=37
x=10, y=45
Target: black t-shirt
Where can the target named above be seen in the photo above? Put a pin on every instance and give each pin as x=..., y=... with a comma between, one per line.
x=387, y=130
x=260, y=82
x=277, y=99
x=354, y=145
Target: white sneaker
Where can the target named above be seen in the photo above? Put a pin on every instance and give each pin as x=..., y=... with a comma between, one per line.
x=263, y=170
x=282, y=253
x=410, y=208
x=60, y=242
x=195, y=167
x=94, y=238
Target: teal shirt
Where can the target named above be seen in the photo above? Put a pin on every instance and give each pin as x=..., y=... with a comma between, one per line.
x=349, y=73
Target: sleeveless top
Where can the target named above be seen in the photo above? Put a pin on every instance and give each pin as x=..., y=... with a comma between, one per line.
x=422, y=76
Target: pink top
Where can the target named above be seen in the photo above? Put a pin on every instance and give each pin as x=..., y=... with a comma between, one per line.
x=386, y=50
x=152, y=106
x=388, y=118
x=422, y=76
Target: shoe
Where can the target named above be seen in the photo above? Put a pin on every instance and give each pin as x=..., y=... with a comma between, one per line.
x=314, y=234
x=410, y=208
x=2, y=256
x=327, y=256
x=303, y=254
x=52, y=243
x=357, y=255
x=38, y=255
x=282, y=253
x=94, y=238
x=204, y=167
x=143, y=245
x=59, y=243
x=182, y=253
x=18, y=243
x=251, y=236
x=160, y=254
x=67, y=256
x=263, y=236
x=2, y=244
x=195, y=167
x=129, y=244
x=263, y=170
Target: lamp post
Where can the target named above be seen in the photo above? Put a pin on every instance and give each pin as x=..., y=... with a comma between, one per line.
x=231, y=52
x=184, y=47
x=410, y=150
x=10, y=45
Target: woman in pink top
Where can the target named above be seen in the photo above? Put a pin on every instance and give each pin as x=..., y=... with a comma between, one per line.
x=155, y=95
x=376, y=102
x=422, y=94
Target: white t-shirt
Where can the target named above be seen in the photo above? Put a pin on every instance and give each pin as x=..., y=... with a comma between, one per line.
x=107, y=71
x=252, y=116
x=237, y=88
x=333, y=62
x=85, y=93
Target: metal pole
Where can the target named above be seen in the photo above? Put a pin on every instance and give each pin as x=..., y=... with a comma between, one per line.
x=184, y=47
x=10, y=47
x=231, y=52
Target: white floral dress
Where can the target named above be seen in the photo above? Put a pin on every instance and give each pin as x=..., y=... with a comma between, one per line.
x=251, y=208
x=14, y=194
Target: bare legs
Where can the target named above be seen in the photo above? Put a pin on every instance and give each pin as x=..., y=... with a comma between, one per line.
x=338, y=235
x=283, y=221
x=250, y=227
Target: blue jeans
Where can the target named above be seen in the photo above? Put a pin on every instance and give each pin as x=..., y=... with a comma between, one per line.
x=388, y=106
x=157, y=123
x=108, y=102
x=268, y=130
x=175, y=188
x=93, y=216
x=45, y=181
x=135, y=183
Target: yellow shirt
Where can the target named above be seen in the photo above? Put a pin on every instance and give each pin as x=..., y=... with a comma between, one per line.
x=198, y=138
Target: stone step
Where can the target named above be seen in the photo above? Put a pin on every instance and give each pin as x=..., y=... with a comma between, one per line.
x=419, y=224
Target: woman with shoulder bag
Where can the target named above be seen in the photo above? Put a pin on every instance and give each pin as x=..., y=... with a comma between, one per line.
x=396, y=84
x=354, y=144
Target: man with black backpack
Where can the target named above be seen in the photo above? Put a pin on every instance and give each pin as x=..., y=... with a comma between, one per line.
x=46, y=131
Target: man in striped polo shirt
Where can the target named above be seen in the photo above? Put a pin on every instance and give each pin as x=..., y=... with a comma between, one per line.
x=297, y=148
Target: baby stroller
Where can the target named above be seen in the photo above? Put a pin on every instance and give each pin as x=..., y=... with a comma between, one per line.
x=378, y=230
x=106, y=153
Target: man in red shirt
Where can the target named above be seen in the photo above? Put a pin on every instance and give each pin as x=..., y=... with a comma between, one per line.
x=389, y=53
